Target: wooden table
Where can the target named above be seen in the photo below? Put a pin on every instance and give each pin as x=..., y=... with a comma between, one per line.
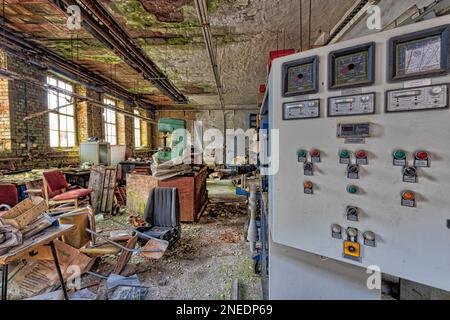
x=19, y=253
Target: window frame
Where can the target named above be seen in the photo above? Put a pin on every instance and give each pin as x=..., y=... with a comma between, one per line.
x=67, y=115
x=110, y=122
x=137, y=131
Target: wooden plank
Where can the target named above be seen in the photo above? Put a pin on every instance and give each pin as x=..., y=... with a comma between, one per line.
x=125, y=256
x=235, y=290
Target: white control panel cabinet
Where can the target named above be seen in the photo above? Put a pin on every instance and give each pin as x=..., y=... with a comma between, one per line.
x=364, y=143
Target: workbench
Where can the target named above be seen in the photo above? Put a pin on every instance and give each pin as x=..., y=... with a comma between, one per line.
x=24, y=250
x=192, y=191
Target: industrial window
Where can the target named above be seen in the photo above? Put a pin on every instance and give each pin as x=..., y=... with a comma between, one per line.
x=137, y=131
x=62, y=119
x=109, y=117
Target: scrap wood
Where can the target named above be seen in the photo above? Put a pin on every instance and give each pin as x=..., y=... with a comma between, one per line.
x=82, y=218
x=102, y=249
x=125, y=256
x=31, y=277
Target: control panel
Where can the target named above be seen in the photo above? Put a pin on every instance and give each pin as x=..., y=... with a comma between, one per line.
x=367, y=181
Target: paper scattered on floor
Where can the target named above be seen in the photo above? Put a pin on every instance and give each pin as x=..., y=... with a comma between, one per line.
x=125, y=288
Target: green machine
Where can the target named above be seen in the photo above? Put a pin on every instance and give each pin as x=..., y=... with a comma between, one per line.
x=174, y=138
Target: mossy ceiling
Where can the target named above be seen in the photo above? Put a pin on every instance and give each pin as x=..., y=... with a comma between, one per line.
x=168, y=31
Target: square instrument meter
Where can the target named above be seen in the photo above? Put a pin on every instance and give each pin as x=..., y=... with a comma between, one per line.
x=301, y=77
x=419, y=55
x=352, y=67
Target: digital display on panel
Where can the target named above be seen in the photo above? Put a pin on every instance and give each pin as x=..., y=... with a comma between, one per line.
x=300, y=77
x=352, y=67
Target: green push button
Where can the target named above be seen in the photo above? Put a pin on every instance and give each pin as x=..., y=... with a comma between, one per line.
x=301, y=153
x=345, y=154
x=400, y=154
x=352, y=189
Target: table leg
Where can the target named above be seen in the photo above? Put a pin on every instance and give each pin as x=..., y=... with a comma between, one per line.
x=5, y=283
x=58, y=270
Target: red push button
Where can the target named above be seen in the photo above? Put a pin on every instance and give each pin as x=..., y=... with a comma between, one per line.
x=422, y=155
x=315, y=153
x=361, y=154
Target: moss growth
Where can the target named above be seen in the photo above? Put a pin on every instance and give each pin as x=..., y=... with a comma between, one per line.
x=136, y=15
x=88, y=49
x=213, y=5
x=243, y=272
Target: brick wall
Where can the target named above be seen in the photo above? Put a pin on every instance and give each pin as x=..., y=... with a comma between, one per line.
x=27, y=145
x=5, y=127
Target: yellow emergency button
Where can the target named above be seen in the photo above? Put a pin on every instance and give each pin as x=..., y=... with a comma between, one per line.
x=352, y=249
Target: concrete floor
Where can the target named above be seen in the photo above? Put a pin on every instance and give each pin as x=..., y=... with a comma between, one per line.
x=203, y=264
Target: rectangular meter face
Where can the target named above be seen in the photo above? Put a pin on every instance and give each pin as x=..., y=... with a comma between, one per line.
x=351, y=105
x=352, y=68
x=301, y=110
x=418, y=56
x=423, y=98
x=300, y=78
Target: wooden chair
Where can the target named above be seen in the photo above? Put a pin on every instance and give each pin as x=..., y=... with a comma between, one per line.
x=57, y=191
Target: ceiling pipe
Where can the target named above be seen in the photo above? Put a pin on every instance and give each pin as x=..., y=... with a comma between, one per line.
x=49, y=88
x=31, y=52
x=202, y=12
x=97, y=20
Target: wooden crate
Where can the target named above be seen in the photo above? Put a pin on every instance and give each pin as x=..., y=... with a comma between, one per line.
x=192, y=190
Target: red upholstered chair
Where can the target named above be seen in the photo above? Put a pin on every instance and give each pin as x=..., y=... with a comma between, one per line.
x=57, y=191
x=9, y=196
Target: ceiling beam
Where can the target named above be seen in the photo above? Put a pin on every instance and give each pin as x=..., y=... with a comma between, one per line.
x=97, y=20
x=30, y=51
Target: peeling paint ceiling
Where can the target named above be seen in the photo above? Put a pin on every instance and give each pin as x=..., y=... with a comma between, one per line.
x=169, y=33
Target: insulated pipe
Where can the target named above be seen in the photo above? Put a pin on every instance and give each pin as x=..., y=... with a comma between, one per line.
x=252, y=233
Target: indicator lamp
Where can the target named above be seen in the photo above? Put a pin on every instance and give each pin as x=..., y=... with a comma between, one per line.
x=301, y=153
x=352, y=189
x=361, y=154
x=400, y=155
x=345, y=154
x=369, y=235
x=422, y=155
x=336, y=228
x=315, y=153
x=308, y=185
x=408, y=195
